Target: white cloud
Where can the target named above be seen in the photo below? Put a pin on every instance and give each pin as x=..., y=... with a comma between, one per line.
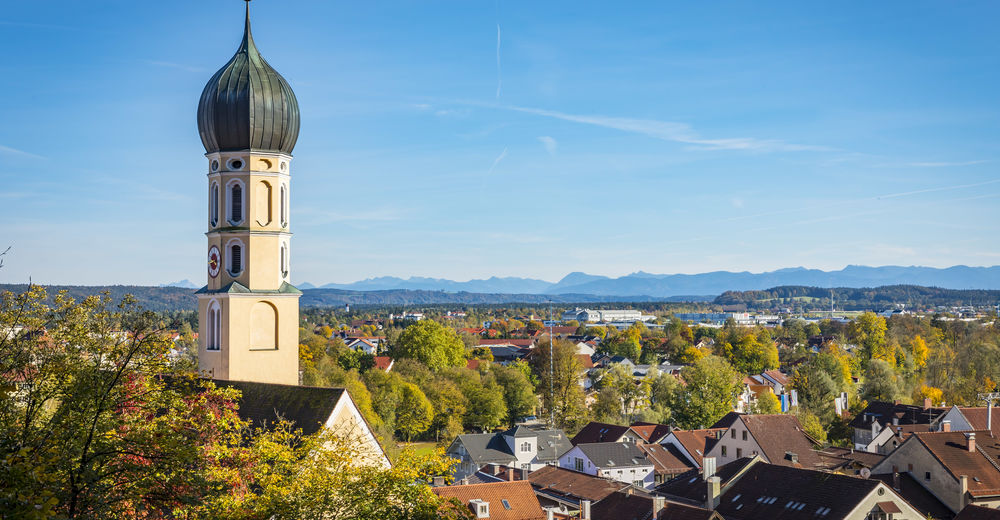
x=671, y=131
x=549, y=143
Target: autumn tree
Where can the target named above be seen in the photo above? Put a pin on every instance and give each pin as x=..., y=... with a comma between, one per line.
x=867, y=331
x=432, y=344
x=710, y=390
x=415, y=412
x=518, y=392
x=559, y=383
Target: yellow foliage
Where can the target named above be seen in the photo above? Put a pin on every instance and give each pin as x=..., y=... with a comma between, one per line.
x=918, y=347
x=936, y=395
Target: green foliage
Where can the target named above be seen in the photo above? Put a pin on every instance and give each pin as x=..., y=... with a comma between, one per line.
x=880, y=382
x=415, y=412
x=712, y=385
x=564, y=399
x=432, y=344
x=487, y=409
x=767, y=403
x=812, y=426
x=518, y=392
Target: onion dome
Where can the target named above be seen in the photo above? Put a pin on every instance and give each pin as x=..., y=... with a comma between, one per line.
x=247, y=105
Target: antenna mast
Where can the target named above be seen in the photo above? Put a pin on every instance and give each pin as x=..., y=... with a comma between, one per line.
x=552, y=395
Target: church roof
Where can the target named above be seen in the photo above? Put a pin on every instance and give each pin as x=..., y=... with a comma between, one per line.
x=247, y=105
x=263, y=403
x=238, y=288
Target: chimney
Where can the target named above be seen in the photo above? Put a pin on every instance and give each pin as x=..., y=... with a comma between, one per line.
x=899, y=432
x=927, y=403
x=792, y=456
x=585, y=510
x=946, y=426
x=896, y=402
x=712, y=496
x=707, y=468
x=438, y=481
x=549, y=514
x=895, y=480
x=963, y=489
x=895, y=421
x=510, y=474
x=659, y=503
x=970, y=441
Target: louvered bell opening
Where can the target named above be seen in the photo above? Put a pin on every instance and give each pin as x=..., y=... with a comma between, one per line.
x=236, y=262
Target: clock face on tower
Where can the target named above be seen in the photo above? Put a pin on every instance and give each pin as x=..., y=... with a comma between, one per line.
x=214, y=261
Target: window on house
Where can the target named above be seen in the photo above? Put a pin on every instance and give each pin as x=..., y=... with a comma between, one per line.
x=236, y=203
x=732, y=433
x=739, y=452
x=723, y=451
x=525, y=447
x=637, y=483
x=744, y=435
x=578, y=464
x=927, y=476
x=235, y=259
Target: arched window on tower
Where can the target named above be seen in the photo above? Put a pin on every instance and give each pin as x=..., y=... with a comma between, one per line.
x=236, y=203
x=235, y=259
x=284, y=261
x=214, y=340
x=284, y=206
x=213, y=205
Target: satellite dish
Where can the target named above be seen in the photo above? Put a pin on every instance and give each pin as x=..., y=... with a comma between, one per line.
x=865, y=472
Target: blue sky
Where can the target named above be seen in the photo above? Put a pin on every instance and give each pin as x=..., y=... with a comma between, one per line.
x=469, y=139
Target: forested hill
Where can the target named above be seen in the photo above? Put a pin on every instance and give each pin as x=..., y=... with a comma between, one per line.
x=171, y=299
x=856, y=299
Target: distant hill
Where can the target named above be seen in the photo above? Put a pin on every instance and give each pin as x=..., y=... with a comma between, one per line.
x=187, y=284
x=850, y=298
x=670, y=285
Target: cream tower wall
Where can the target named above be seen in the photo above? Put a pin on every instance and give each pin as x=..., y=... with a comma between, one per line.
x=258, y=336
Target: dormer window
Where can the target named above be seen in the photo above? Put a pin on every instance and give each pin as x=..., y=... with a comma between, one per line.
x=525, y=447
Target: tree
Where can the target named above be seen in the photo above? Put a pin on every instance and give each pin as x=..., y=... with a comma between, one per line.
x=487, y=410
x=919, y=351
x=432, y=344
x=632, y=395
x=880, y=382
x=710, y=392
x=766, y=403
x=562, y=394
x=518, y=392
x=415, y=412
x=868, y=332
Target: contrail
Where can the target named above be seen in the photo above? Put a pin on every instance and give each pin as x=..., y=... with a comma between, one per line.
x=497, y=160
x=499, y=78
x=944, y=188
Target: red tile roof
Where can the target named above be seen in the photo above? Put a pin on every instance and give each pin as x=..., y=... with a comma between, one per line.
x=972, y=512
x=650, y=432
x=508, y=500
x=977, y=417
x=980, y=466
x=383, y=363
x=569, y=483
x=516, y=342
x=697, y=442
x=599, y=432
x=779, y=434
x=585, y=361
x=666, y=459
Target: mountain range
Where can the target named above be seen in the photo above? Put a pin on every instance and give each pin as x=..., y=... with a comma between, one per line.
x=712, y=283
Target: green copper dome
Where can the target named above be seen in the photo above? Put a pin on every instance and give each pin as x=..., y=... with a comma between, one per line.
x=247, y=105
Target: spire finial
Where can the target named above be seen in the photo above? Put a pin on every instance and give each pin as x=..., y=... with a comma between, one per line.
x=247, y=37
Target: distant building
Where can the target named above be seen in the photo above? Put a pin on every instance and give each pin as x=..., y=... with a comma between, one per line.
x=605, y=316
x=621, y=461
x=497, y=500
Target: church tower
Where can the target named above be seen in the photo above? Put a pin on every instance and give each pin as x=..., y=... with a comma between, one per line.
x=248, y=314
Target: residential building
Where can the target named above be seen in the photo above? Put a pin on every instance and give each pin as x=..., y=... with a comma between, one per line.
x=668, y=461
x=776, y=439
x=624, y=505
x=368, y=345
x=621, y=461
x=497, y=500
x=571, y=493
x=870, y=423
x=518, y=447
x=751, y=489
x=638, y=432
x=967, y=418
x=693, y=444
x=605, y=316
x=959, y=468
x=384, y=363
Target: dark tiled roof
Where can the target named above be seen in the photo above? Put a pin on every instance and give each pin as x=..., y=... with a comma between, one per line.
x=650, y=432
x=599, y=432
x=972, y=512
x=918, y=496
x=623, y=506
x=666, y=458
x=520, y=431
x=778, y=436
x=884, y=412
x=727, y=420
x=572, y=484
x=981, y=466
x=508, y=500
x=307, y=407
x=837, y=458
x=614, y=454
x=691, y=485
x=697, y=442
x=779, y=492
x=487, y=448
